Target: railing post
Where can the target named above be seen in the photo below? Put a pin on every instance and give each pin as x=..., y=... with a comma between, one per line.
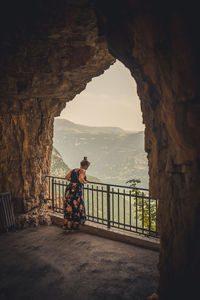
x=108, y=205
x=52, y=182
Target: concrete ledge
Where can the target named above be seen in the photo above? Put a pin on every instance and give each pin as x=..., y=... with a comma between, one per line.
x=112, y=233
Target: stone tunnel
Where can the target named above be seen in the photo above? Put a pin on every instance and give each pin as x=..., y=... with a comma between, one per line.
x=50, y=50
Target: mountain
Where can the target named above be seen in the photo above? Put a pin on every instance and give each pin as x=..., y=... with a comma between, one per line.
x=60, y=169
x=116, y=155
x=66, y=125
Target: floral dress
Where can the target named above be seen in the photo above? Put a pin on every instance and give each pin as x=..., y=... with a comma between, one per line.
x=74, y=208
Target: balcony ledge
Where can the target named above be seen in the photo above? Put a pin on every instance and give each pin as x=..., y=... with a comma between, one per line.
x=112, y=233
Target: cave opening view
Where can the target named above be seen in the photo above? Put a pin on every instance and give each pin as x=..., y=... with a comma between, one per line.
x=104, y=123
x=123, y=223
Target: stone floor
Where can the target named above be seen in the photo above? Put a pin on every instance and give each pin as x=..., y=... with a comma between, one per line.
x=45, y=263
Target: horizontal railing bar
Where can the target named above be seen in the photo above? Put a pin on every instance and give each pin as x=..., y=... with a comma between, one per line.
x=132, y=226
x=120, y=193
x=93, y=217
x=122, y=186
x=122, y=224
x=100, y=183
x=49, y=176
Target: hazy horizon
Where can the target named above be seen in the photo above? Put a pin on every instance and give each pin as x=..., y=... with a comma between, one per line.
x=109, y=100
x=100, y=126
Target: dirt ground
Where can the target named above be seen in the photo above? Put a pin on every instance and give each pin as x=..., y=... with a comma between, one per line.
x=45, y=263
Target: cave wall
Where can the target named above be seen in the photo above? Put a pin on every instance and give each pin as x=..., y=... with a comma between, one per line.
x=49, y=52
x=158, y=42
x=26, y=143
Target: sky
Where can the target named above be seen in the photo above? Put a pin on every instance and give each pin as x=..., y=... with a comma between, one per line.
x=108, y=100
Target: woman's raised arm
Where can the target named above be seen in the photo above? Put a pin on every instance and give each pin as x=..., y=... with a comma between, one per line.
x=68, y=175
x=81, y=176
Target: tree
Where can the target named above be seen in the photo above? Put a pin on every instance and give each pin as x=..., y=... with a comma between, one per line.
x=146, y=208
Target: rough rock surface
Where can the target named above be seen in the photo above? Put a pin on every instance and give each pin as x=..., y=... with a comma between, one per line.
x=35, y=217
x=158, y=43
x=49, y=51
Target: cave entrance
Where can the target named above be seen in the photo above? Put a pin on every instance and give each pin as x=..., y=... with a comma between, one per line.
x=104, y=123
x=108, y=129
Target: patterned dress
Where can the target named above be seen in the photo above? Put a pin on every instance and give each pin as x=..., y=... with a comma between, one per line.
x=74, y=208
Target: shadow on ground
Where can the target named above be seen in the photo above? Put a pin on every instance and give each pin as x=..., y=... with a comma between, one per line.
x=45, y=263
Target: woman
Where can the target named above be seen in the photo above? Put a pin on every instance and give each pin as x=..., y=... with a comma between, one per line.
x=74, y=208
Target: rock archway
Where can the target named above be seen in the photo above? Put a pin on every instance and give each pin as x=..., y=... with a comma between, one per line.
x=49, y=51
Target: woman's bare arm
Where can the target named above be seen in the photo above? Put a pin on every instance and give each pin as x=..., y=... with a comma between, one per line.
x=81, y=176
x=68, y=175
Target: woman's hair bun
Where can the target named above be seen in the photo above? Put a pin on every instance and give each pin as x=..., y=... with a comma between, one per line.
x=85, y=162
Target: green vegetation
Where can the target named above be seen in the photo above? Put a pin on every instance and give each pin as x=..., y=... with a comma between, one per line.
x=146, y=208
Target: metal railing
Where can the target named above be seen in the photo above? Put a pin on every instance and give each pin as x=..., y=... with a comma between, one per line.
x=7, y=218
x=117, y=206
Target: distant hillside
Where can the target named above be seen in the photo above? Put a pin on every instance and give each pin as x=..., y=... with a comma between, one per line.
x=65, y=125
x=60, y=169
x=116, y=155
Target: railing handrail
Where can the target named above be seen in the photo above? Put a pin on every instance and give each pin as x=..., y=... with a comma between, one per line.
x=105, y=184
